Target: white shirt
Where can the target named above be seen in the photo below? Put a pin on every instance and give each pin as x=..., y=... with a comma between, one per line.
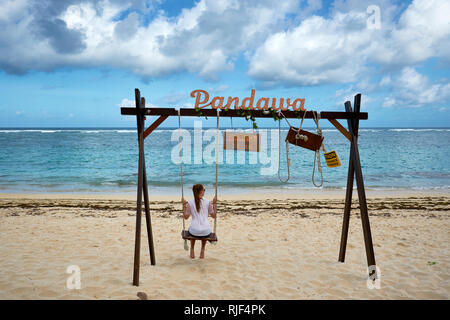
x=200, y=225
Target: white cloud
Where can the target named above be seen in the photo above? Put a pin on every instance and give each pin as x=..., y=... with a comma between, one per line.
x=422, y=32
x=126, y=103
x=389, y=102
x=412, y=89
x=204, y=39
x=174, y=98
x=219, y=89
x=348, y=94
x=318, y=51
x=385, y=81
x=341, y=49
x=11, y=9
x=283, y=43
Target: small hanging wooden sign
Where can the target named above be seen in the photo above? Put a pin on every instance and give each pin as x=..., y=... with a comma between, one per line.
x=304, y=139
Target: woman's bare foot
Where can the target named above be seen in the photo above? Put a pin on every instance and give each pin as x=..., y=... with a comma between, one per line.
x=192, y=254
x=202, y=254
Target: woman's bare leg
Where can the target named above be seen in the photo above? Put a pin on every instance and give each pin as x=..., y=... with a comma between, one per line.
x=202, y=252
x=192, y=248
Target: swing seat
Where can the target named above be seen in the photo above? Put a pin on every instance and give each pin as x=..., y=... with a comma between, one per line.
x=187, y=236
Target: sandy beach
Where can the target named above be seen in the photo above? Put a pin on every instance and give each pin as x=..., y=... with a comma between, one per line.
x=270, y=246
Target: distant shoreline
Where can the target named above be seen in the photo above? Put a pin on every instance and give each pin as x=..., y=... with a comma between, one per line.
x=169, y=128
x=256, y=195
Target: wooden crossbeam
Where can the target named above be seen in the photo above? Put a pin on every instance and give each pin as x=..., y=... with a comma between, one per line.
x=235, y=113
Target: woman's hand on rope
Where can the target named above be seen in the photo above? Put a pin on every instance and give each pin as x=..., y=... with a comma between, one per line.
x=214, y=203
x=185, y=213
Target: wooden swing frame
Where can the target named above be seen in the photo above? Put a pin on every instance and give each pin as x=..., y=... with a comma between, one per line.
x=354, y=168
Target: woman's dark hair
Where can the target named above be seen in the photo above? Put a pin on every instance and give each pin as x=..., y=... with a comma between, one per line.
x=197, y=188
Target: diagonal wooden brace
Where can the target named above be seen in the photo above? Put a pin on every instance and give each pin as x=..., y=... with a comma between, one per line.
x=154, y=125
x=341, y=128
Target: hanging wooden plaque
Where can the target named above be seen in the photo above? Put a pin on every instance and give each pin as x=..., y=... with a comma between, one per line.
x=241, y=141
x=304, y=139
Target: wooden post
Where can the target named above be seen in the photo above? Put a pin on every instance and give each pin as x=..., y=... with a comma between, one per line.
x=355, y=170
x=137, y=242
x=349, y=192
x=361, y=191
x=146, y=201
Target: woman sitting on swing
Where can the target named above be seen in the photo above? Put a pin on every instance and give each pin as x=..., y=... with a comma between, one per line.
x=199, y=208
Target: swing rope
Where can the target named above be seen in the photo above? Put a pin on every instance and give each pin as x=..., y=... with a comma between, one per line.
x=288, y=161
x=317, y=153
x=181, y=176
x=217, y=170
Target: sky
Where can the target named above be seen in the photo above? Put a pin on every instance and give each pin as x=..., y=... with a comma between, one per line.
x=75, y=63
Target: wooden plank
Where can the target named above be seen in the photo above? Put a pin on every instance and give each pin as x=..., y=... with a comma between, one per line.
x=137, y=241
x=348, y=194
x=356, y=108
x=244, y=141
x=234, y=113
x=186, y=236
x=363, y=207
x=338, y=126
x=146, y=198
x=154, y=125
x=148, y=220
x=361, y=192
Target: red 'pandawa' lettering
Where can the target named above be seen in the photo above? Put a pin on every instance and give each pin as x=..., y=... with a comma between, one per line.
x=213, y=102
x=198, y=101
x=294, y=104
x=250, y=101
x=230, y=100
x=202, y=101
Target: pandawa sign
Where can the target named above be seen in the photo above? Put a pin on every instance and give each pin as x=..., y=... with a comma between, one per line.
x=202, y=101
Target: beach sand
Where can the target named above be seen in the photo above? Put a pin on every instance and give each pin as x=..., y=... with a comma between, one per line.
x=270, y=247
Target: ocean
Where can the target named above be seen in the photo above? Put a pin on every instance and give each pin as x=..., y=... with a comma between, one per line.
x=105, y=160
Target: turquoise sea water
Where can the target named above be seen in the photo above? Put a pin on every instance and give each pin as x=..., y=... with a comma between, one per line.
x=105, y=160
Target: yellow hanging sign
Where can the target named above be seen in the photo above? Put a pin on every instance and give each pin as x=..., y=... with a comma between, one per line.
x=332, y=159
